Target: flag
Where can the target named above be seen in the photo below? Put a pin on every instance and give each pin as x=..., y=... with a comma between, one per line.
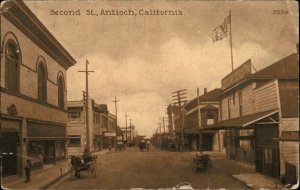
x=221, y=31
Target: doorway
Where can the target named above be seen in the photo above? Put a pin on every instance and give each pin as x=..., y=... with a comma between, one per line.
x=9, y=143
x=49, y=147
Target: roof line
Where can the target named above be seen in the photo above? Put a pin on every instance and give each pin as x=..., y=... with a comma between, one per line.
x=262, y=117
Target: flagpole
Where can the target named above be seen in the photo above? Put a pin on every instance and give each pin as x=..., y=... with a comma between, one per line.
x=231, y=42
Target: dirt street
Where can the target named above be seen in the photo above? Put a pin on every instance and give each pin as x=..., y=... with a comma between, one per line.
x=155, y=169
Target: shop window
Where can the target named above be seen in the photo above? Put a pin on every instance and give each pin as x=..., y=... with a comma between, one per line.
x=61, y=89
x=229, y=103
x=35, y=150
x=233, y=98
x=74, y=116
x=42, y=82
x=12, y=66
x=245, y=144
x=60, y=151
x=268, y=156
x=74, y=141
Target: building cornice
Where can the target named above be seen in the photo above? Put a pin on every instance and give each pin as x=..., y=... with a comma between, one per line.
x=32, y=120
x=7, y=91
x=22, y=17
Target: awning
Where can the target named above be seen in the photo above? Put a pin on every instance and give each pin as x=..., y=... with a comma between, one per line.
x=190, y=131
x=196, y=131
x=46, y=138
x=243, y=121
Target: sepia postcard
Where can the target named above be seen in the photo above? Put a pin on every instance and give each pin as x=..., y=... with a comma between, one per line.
x=148, y=94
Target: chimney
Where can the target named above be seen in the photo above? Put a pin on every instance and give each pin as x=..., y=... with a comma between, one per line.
x=205, y=90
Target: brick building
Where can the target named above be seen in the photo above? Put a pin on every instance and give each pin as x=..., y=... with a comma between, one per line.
x=99, y=123
x=260, y=114
x=33, y=91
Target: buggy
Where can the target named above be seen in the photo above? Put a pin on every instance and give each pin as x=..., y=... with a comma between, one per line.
x=86, y=163
x=202, y=162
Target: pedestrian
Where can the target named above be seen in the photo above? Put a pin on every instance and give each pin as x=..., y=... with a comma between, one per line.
x=27, y=169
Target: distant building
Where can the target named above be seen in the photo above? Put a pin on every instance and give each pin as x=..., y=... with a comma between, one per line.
x=199, y=115
x=33, y=91
x=260, y=114
x=100, y=122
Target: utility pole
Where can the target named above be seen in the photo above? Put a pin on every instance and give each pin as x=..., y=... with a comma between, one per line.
x=126, y=127
x=164, y=126
x=159, y=127
x=130, y=128
x=87, y=104
x=116, y=101
x=199, y=122
x=179, y=97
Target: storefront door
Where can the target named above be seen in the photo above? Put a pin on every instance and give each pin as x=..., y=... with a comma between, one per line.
x=267, y=150
x=49, y=147
x=9, y=143
x=207, y=142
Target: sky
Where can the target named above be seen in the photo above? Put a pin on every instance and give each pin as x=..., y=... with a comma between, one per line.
x=143, y=59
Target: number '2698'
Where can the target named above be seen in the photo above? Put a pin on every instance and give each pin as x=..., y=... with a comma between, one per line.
x=280, y=12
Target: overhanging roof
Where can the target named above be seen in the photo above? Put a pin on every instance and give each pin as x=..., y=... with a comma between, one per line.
x=240, y=122
x=189, y=130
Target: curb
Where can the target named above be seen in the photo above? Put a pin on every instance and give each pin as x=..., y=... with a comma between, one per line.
x=248, y=186
x=47, y=185
x=52, y=182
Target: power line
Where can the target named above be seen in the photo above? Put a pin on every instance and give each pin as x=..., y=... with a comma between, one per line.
x=179, y=97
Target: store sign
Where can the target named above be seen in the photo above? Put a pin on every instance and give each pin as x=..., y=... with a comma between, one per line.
x=109, y=134
x=237, y=75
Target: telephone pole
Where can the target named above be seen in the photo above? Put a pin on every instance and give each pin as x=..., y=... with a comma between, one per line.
x=159, y=127
x=130, y=128
x=116, y=101
x=199, y=122
x=87, y=104
x=179, y=97
x=126, y=127
x=164, y=126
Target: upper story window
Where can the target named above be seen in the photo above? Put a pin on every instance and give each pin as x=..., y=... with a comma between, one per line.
x=42, y=82
x=210, y=118
x=61, y=91
x=240, y=104
x=104, y=122
x=96, y=118
x=229, y=104
x=74, y=116
x=12, y=66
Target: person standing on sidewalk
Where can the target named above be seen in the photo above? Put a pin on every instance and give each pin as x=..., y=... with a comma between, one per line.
x=27, y=169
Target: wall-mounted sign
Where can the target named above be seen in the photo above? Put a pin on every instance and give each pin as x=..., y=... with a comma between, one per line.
x=109, y=134
x=237, y=74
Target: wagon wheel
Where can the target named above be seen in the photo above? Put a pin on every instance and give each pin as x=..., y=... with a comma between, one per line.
x=93, y=168
x=72, y=170
x=194, y=168
x=209, y=165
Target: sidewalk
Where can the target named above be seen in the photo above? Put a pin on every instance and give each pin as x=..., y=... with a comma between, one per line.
x=244, y=172
x=42, y=178
x=258, y=181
